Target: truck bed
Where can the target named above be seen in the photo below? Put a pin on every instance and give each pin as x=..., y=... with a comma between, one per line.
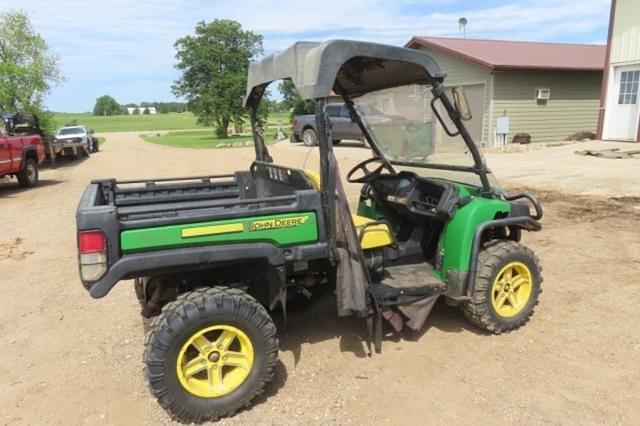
x=149, y=202
x=141, y=218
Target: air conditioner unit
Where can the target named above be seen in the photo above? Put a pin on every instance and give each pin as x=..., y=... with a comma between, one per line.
x=543, y=94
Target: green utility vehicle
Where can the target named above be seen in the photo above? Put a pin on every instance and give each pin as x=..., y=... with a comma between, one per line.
x=212, y=256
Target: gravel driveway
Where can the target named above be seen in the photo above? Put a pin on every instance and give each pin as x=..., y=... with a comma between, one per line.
x=68, y=359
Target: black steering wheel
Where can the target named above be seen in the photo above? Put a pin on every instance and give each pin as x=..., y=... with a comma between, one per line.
x=368, y=175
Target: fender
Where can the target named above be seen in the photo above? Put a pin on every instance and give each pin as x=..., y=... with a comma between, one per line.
x=526, y=222
x=28, y=149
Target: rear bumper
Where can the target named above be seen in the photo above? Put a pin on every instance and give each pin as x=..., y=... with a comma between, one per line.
x=199, y=258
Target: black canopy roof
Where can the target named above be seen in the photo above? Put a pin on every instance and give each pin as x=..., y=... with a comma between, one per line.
x=350, y=67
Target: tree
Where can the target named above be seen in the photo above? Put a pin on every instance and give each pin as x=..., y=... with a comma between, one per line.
x=264, y=108
x=107, y=105
x=27, y=69
x=214, y=64
x=292, y=100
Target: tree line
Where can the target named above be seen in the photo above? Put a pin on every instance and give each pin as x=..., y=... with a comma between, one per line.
x=213, y=63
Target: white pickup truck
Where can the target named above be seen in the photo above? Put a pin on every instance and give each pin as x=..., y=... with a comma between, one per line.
x=77, y=134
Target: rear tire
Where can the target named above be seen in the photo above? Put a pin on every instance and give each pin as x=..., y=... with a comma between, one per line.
x=309, y=137
x=209, y=354
x=138, y=286
x=508, y=283
x=28, y=176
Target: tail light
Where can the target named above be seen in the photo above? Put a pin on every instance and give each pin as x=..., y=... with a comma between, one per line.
x=92, y=251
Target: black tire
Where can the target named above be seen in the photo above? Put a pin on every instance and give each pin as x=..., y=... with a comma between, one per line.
x=310, y=137
x=495, y=256
x=138, y=286
x=28, y=176
x=182, y=319
x=336, y=141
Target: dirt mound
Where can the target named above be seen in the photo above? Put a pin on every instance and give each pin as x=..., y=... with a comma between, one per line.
x=11, y=250
x=580, y=208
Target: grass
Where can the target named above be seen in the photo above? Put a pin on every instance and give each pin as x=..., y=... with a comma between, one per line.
x=203, y=139
x=130, y=123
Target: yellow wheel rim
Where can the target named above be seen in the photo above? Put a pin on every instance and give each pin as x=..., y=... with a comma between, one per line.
x=511, y=289
x=215, y=361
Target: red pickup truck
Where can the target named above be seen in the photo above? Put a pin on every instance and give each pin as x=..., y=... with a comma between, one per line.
x=22, y=148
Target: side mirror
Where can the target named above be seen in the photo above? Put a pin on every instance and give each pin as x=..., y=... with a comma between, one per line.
x=461, y=103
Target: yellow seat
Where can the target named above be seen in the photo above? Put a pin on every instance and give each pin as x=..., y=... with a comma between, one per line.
x=375, y=236
x=314, y=177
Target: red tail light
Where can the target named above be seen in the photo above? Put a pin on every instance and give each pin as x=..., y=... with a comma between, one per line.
x=92, y=248
x=91, y=242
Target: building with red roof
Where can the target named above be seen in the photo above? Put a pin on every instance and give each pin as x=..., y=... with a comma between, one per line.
x=547, y=90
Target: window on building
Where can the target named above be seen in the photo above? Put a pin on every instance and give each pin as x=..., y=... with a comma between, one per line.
x=628, y=87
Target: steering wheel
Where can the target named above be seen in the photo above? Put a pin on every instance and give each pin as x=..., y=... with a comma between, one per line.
x=368, y=175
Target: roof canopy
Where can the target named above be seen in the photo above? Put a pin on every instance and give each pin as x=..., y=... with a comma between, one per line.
x=510, y=55
x=344, y=66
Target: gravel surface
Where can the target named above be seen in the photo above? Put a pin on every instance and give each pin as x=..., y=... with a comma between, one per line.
x=69, y=359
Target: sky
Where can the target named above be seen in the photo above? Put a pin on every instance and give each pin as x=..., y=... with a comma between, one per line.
x=124, y=48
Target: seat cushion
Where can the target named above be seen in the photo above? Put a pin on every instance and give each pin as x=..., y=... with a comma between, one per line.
x=314, y=177
x=375, y=236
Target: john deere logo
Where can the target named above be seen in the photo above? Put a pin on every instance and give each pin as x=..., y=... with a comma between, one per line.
x=288, y=222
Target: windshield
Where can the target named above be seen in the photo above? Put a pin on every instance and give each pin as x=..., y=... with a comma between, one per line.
x=404, y=128
x=65, y=131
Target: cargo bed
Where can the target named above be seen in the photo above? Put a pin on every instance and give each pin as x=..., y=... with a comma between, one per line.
x=155, y=223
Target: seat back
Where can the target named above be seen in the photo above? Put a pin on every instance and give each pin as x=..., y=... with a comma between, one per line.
x=272, y=180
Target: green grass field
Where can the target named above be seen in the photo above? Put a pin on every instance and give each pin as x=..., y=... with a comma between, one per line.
x=130, y=123
x=203, y=139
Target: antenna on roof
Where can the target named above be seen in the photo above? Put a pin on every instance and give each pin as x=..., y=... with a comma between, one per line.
x=462, y=25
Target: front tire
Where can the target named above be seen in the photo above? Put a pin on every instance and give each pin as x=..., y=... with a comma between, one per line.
x=309, y=137
x=209, y=354
x=28, y=176
x=508, y=283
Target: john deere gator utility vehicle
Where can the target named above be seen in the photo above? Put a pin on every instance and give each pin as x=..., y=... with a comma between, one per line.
x=213, y=256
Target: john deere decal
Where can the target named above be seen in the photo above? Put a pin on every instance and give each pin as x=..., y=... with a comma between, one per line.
x=289, y=222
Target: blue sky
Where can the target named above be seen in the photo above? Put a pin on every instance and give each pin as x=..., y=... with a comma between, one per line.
x=125, y=48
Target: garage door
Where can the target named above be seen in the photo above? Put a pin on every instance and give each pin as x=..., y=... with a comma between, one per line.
x=475, y=97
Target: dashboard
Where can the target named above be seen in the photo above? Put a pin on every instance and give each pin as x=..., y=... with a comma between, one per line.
x=409, y=193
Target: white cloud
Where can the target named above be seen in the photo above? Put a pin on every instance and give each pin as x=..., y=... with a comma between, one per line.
x=126, y=47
